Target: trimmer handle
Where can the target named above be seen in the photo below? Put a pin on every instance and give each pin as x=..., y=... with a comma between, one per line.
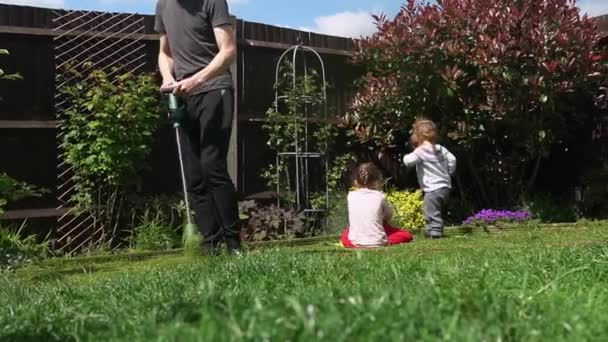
x=177, y=110
x=173, y=101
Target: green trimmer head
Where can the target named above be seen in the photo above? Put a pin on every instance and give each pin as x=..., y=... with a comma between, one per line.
x=192, y=240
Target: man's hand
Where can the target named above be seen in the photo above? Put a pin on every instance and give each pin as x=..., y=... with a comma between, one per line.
x=187, y=85
x=168, y=86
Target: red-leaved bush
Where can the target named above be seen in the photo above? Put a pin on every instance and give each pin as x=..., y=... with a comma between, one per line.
x=602, y=57
x=504, y=79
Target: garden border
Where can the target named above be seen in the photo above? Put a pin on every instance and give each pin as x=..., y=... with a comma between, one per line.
x=140, y=256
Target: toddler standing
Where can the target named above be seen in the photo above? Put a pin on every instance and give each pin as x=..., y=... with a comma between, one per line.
x=435, y=166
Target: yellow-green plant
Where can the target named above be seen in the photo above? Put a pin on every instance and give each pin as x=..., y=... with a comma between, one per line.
x=408, y=209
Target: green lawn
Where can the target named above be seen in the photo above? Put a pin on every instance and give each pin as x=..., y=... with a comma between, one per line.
x=531, y=285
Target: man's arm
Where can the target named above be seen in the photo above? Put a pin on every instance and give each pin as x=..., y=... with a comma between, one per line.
x=165, y=63
x=226, y=42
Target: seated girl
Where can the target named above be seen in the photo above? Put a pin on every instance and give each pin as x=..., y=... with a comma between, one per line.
x=370, y=214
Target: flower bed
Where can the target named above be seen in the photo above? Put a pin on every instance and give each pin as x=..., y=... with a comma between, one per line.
x=488, y=217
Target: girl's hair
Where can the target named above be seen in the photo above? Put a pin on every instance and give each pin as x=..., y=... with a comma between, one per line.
x=423, y=130
x=367, y=176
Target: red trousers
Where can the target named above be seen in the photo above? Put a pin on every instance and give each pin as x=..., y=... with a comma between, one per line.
x=395, y=236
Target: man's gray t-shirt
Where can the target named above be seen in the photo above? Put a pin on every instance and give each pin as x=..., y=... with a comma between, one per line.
x=189, y=26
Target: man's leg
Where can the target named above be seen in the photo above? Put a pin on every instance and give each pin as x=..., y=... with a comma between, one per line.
x=216, y=125
x=197, y=177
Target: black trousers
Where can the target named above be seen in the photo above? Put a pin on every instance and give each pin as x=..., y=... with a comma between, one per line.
x=205, y=137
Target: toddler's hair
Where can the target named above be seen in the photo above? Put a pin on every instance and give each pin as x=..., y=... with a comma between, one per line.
x=367, y=175
x=423, y=130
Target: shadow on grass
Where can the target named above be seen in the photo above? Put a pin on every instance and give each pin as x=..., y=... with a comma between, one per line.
x=35, y=337
x=185, y=311
x=326, y=251
x=45, y=275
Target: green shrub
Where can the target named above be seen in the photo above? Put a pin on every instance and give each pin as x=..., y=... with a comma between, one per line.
x=12, y=190
x=407, y=206
x=5, y=76
x=155, y=229
x=595, y=199
x=337, y=218
x=108, y=127
x=153, y=235
x=17, y=250
x=549, y=209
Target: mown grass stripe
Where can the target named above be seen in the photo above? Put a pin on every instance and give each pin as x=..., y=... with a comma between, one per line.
x=137, y=256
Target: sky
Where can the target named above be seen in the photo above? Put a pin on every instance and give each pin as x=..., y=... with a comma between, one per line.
x=347, y=18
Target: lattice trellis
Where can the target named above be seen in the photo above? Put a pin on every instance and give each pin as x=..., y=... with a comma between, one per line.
x=114, y=44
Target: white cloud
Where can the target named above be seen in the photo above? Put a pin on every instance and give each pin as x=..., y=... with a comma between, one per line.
x=594, y=7
x=36, y=3
x=351, y=24
x=354, y=24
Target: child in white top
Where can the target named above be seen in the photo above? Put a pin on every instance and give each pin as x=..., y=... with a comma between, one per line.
x=435, y=166
x=370, y=214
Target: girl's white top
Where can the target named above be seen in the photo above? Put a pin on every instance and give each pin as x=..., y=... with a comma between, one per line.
x=434, y=165
x=368, y=211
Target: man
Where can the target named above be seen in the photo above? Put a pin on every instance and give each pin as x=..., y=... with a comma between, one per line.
x=197, y=47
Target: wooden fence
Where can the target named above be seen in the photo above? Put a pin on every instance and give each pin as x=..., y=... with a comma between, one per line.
x=28, y=123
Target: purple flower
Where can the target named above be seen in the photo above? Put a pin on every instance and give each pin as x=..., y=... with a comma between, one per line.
x=490, y=216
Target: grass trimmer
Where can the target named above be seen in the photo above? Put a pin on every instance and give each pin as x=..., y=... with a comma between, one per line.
x=177, y=112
